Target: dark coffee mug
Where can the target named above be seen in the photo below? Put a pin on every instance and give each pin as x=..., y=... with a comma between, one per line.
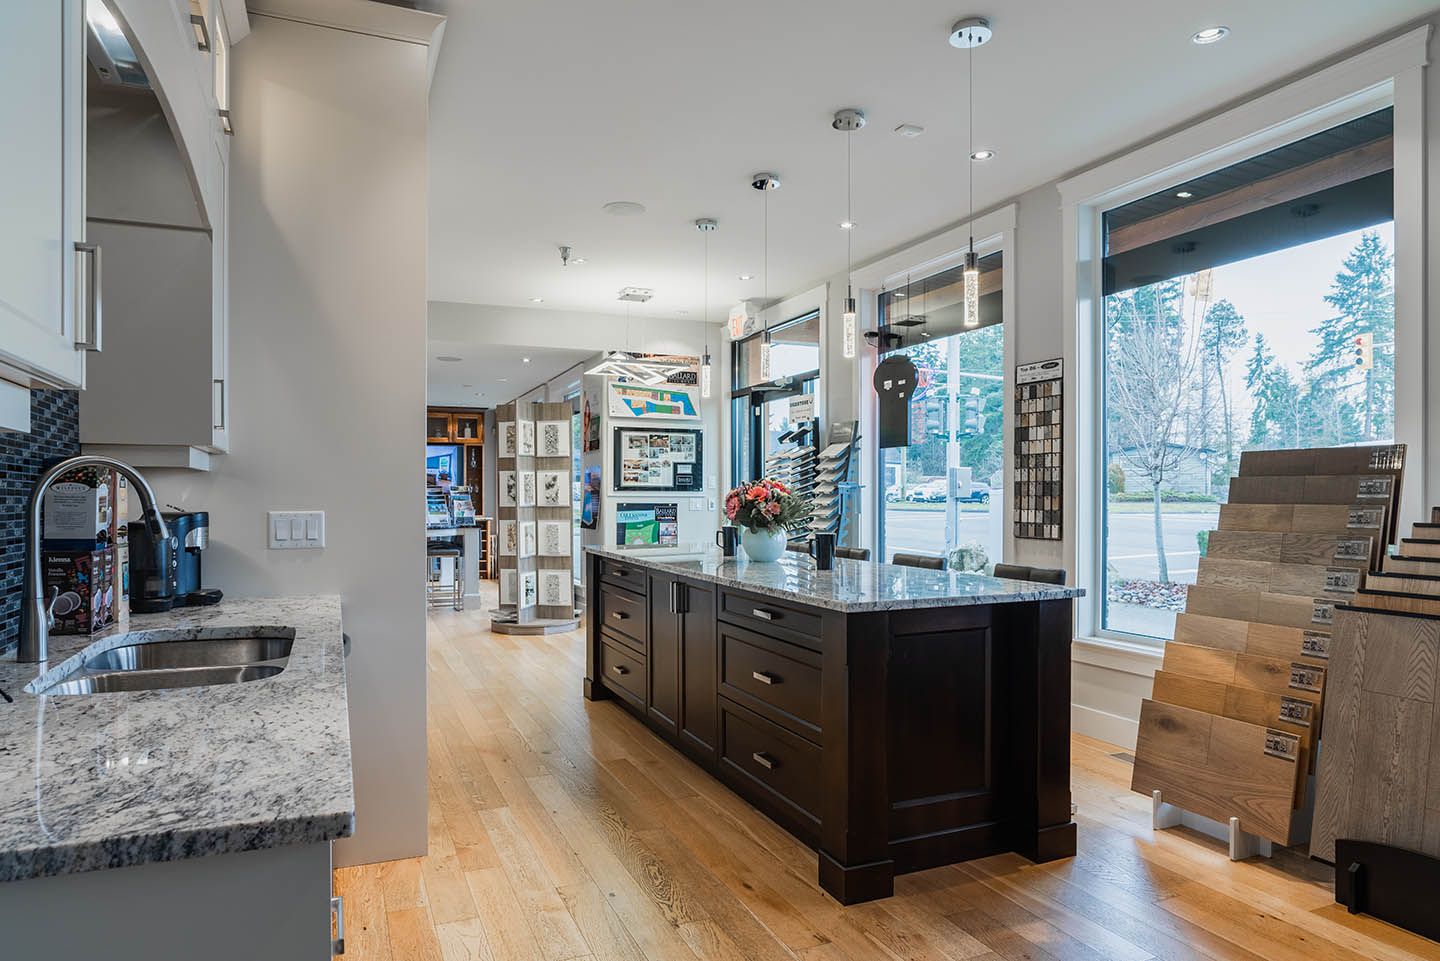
x=822, y=548
x=727, y=539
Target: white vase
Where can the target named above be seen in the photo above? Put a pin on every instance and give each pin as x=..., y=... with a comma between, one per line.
x=762, y=546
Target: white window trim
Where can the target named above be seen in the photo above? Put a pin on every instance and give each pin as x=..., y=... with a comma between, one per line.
x=993, y=232
x=1390, y=73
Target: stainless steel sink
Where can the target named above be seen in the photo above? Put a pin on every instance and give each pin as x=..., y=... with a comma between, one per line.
x=113, y=681
x=184, y=661
x=212, y=652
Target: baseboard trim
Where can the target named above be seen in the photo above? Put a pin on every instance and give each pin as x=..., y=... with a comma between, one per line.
x=1104, y=726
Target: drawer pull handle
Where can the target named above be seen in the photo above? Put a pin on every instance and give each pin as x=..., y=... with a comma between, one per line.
x=764, y=760
x=620, y=669
x=619, y=615
x=763, y=615
x=764, y=678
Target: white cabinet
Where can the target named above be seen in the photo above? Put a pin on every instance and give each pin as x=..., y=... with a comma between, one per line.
x=44, y=303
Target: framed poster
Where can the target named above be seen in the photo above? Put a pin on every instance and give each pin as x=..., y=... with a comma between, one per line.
x=509, y=538
x=554, y=539
x=527, y=590
x=553, y=439
x=658, y=460
x=527, y=488
x=508, y=442
x=556, y=589
x=654, y=525
x=554, y=488
x=630, y=401
x=509, y=489
x=525, y=446
x=527, y=539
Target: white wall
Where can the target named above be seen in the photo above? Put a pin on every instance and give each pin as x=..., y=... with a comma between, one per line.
x=328, y=245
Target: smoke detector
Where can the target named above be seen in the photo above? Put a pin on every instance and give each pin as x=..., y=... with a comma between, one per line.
x=636, y=295
x=624, y=208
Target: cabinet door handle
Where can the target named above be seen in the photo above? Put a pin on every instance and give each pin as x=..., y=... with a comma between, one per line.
x=619, y=615
x=674, y=597
x=620, y=669
x=764, y=677
x=764, y=760
x=763, y=615
x=337, y=905
x=219, y=401
x=94, y=315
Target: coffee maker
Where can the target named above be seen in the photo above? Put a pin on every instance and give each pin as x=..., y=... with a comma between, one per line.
x=167, y=575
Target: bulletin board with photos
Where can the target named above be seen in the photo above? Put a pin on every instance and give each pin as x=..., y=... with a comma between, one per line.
x=650, y=459
x=1039, y=450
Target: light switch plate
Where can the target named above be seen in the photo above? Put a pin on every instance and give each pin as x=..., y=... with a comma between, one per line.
x=295, y=530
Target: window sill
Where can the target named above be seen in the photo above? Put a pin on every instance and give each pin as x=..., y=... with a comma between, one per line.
x=1130, y=657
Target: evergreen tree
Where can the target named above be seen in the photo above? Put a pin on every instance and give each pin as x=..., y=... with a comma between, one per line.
x=1363, y=297
x=1223, y=334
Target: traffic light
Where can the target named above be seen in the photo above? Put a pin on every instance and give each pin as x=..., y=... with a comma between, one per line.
x=935, y=413
x=1364, y=345
x=973, y=418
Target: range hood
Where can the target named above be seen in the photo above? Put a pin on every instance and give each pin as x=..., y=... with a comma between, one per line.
x=109, y=51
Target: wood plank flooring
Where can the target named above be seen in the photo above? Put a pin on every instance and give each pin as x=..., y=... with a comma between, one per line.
x=561, y=829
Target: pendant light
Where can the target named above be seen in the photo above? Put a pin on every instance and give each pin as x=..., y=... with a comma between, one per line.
x=848, y=120
x=706, y=226
x=766, y=182
x=968, y=34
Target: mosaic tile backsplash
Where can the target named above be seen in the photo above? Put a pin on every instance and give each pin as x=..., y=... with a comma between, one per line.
x=54, y=434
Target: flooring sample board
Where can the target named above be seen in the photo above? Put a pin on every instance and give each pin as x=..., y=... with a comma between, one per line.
x=1399, y=564
x=1416, y=547
x=1388, y=583
x=1379, y=774
x=1410, y=603
x=1328, y=550
x=1247, y=637
x=1374, y=458
x=1426, y=531
x=1357, y=520
x=1218, y=767
x=1287, y=610
x=1309, y=579
x=1375, y=490
x=1272, y=675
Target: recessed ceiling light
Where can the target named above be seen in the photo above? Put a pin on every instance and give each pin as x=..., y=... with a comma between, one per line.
x=449, y=358
x=847, y=225
x=578, y=260
x=1210, y=35
x=537, y=300
x=982, y=155
x=910, y=130
x=1184, y=194
x=524, y=360
x=624, y=208
x=747, y=276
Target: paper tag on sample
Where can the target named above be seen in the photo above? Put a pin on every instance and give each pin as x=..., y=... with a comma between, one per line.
x=1282, y=745
x=1295, y=711
x=1374, y=487
x=1341, y=580
x=1388, y=458
x=1306, y=677
x=1352, y=549
x=1322, y=611
x=1315, y=644
x=1365, y=517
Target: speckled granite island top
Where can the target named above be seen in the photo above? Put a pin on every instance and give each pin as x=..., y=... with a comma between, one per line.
x=110, y=780
x=851, y=587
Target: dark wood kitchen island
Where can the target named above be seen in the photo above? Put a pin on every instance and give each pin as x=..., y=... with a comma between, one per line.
x=895, y=719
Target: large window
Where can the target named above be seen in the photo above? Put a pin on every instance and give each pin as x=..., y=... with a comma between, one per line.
x=760, y=409
x=1252, y=308
x=945, y=491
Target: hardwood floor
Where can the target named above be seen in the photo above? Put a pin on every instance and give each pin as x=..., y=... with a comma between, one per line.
x=561, y=829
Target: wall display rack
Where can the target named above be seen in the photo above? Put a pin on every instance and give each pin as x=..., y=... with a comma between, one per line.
x=834, y=493
x=1039, y=450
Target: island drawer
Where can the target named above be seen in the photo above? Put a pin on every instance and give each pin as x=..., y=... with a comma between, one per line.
x=628, y=576
x=623, y=613
x=622, y=668
x=778, y=765
x=775, y=679
x=769, y=616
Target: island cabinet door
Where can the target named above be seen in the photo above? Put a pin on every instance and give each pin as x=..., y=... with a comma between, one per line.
x=699, y=714
x=662, y=700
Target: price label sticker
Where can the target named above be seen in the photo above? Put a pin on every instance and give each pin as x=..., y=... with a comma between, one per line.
x=1352, y=549
x=1365, y=517
x=1322, y=611
x=1388, y=458
x=1374, y=487
x=1341, y=580
x=1295, y=711
x=1306, y=677
x=1315, y=644
x=1282, y=745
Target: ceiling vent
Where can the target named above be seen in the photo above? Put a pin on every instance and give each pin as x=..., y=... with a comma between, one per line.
x=636, y=295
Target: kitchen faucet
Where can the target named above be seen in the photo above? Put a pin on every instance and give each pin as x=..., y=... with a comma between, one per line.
x=38, y=615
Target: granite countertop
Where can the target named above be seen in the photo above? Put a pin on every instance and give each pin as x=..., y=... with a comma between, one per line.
x=111, y=780
x=852, y=586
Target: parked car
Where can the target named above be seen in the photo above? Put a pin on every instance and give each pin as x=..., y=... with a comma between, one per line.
x=979, y=494
x=928, y=492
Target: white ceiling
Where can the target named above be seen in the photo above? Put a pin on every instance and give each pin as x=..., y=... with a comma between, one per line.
x=492, y=375
x=543, y=112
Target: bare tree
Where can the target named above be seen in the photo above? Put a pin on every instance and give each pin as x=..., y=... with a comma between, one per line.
x=1154, y=361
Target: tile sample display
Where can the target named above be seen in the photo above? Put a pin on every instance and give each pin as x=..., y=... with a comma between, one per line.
x=556, y=588
x=528, y=589
x=509, y=538
x=527, y=538
x=527, y=489
x=509, y=489
x=554, y=539
x=553, y=488
x=553, y=439
x=525, y=446
x=1039, y=450
x=508, y=434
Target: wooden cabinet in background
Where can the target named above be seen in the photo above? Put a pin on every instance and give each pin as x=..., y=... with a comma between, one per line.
x=455, y=425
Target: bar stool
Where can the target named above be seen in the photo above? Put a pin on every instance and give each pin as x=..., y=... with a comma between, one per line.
x=1042, y=575
x=853, y=553
x=930, y=562
x=434, y=590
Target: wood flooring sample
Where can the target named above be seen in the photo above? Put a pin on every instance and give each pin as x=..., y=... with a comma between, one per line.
x=1418, y=547
x=1285, y=547
x=1374, y=458
x=1337, y=520
x=1248, y=637
x=1313, y=580
x=1378, y=777
x=1411, y=565
x=1271, y=674
x=1218, y=767
x=1267, y=608
x=1409, y=603
x=1403, y=583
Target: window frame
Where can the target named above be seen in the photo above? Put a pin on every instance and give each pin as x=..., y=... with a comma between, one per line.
x=1389, y=74
x=748, y=399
